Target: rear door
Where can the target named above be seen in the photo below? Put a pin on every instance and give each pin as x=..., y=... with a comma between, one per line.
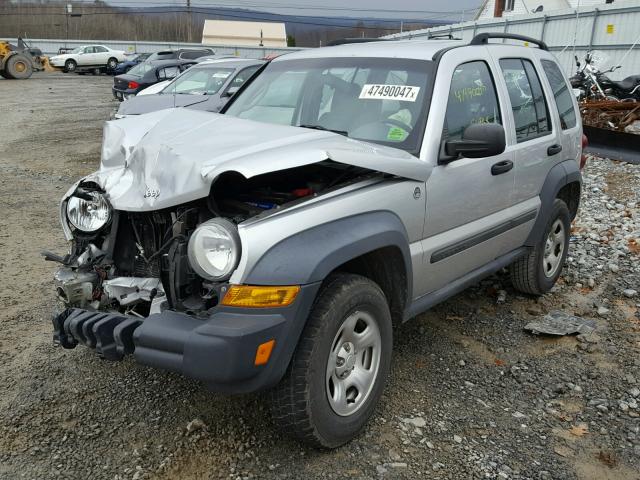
x=539, y=145
x=566, y=108
x=101, y=55
x=468, y=206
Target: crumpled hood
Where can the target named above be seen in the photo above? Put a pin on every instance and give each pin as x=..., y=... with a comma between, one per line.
x=169, y=157
x=150, y=103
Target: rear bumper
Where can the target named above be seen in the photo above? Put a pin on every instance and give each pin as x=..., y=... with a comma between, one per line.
x=219, y=349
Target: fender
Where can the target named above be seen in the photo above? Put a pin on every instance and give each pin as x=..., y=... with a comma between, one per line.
x=560, y=175
x=309, y=256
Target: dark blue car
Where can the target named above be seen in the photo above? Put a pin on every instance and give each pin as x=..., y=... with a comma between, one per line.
x=124, y=67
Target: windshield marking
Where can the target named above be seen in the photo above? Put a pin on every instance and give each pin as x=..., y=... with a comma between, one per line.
x=405, y=93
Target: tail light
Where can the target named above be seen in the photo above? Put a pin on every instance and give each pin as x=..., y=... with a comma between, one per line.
x=133, y=85
x=583, y=157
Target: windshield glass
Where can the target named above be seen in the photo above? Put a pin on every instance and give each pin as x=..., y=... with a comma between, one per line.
x=199, y=81
x=77, y=50
x=381, y=100
x=140, y=69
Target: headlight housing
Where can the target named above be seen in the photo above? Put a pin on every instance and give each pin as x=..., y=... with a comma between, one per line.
x=214, y=249
x=88, y=213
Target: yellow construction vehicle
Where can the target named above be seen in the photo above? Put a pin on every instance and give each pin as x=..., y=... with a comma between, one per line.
x=20, y=61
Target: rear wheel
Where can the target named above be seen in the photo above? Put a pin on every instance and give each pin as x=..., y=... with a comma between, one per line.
x=339, y=369
x=538, y=271
x=112, y=63
x=70, y=66
x=18, y=67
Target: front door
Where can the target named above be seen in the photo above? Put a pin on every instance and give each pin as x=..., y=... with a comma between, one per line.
x=469, y=200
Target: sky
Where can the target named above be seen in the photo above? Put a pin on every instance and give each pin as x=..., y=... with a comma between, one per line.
x=385, y=9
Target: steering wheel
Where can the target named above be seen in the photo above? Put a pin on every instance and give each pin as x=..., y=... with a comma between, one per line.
x=398, y=123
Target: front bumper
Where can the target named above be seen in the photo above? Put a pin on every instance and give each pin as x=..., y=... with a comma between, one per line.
x=218, y=350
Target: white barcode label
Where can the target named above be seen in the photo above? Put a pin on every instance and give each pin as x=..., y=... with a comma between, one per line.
x=405, y=93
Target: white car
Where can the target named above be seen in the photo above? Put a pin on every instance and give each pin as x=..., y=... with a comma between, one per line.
x=88, y=56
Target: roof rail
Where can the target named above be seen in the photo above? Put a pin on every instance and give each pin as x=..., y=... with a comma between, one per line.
x=483, y=39
x=436, y=36
x=344, y=41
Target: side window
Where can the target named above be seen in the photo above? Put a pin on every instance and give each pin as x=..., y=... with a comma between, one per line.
x=472, y=99
x=100, y=49
x=562, y=93
x=168, y=72
x=192, y=54
x=530, y=110
x=243, y=76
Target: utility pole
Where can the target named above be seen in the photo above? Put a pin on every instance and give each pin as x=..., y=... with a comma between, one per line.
x=189, y=38
x=68, y=12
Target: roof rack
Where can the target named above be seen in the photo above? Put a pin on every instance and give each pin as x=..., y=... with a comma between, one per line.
x=483, y=39
x=435, y=36
x=344, y=41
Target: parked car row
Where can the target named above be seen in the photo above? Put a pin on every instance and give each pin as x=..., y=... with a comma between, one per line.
x=207, y=85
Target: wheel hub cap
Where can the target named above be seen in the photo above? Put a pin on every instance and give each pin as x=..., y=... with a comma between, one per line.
x=554, y=248
x=353, y=363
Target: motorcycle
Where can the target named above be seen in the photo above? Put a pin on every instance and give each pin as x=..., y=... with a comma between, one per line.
x=591, y=83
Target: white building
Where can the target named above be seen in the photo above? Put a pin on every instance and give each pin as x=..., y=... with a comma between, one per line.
x=510, y=8
x=253, y=34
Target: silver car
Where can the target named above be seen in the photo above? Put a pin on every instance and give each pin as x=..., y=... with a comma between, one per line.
x=205, y=86
x=344, y=191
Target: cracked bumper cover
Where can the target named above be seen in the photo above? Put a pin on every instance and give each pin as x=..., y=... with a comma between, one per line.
x=218, y=350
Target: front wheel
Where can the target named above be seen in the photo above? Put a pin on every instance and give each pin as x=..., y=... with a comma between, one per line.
x=340, y=366
x=537, y=272
x=70, y=66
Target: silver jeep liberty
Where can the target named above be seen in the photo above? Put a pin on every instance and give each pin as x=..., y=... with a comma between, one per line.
x=342, y=191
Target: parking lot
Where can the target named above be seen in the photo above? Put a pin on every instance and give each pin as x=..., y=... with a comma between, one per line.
x=471, y=394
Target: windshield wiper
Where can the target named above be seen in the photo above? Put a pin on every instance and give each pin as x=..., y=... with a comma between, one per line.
x=320, y=127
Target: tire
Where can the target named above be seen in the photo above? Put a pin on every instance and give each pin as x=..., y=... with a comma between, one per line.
x=112, y=63
x=326, y=363
x=537, y=272
x=70, y=66
x=19, y=67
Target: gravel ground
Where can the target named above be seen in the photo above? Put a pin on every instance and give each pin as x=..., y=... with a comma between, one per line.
x=471, y=395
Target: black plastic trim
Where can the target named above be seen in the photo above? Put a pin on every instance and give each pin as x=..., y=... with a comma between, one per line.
x=427, y=301
x=481, y=237
x=560, y=175
x=483, y=39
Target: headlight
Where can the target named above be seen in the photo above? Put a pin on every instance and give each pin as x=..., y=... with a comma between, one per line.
x=214, y=249
x=90, y=213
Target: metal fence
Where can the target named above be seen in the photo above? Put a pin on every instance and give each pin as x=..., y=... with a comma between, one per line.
x=611, y=30
x=51, y=46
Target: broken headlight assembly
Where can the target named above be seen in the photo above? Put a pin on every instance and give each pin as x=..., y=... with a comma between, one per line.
x=88, y=211
x=214, y=249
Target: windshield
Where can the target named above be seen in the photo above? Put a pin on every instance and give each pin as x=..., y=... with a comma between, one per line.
x=77, y=50
x=199, y=81
x=381, y=100
x=140, y=69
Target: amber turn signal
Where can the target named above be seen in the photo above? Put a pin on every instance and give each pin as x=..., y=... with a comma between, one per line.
x=264, y=352
x=252, y=296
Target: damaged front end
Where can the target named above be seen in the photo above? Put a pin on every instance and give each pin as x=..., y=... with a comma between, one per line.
x=124, y=266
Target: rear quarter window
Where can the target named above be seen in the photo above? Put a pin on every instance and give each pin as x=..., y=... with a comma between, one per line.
x=562, y=94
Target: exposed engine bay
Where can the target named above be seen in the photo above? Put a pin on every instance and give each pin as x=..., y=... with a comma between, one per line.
x=139, y=263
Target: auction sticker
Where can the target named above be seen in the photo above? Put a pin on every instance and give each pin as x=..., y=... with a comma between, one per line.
x=405, y=93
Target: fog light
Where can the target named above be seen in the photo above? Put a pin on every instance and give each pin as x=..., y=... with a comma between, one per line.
x=260, y=297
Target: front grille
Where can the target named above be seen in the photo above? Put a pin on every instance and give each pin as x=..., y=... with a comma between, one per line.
x=148, y=231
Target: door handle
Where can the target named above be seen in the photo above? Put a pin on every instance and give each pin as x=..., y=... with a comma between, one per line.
x=501, y=167
x=554, y=149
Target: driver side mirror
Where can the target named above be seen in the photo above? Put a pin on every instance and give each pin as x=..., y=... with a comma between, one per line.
x=231, y=91
x=478, y=140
